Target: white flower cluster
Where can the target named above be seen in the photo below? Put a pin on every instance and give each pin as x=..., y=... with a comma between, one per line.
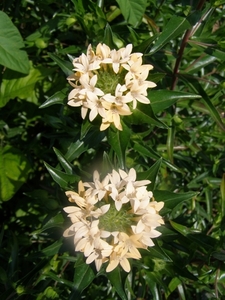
x=106, y=81
x=113, y=218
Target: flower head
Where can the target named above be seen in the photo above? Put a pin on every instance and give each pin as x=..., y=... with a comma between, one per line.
x=107, y=82
x=113, y=218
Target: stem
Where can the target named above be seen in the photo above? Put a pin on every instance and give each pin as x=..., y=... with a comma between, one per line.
x=112, y=15
x=187, y=34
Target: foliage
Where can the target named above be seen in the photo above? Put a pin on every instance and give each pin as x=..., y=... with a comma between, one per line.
x=177, y=142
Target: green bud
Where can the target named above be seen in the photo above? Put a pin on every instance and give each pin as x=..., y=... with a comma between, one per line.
x=40, y=43
x=70, y=21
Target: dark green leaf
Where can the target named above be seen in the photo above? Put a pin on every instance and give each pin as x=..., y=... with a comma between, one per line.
x=53, y=248
x=66, y=165
x=66, y=66
x=170, y=199
x=175, y=27
x=64, y=180
x=143, y=114
x=108, y=36
x=119, y=140
x=116, y=281
x=196, y=86
x=56, y=221
x=151, y=174
x=84, y=275
x=162, y=99
x=57, y=98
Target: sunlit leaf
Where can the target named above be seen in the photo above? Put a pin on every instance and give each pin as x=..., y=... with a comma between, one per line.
x=14, y=171
x=11, y=43
x=14, y=85
x=132, y=10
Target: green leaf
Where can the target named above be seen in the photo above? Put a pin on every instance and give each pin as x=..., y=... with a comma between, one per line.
x=75, y=150
x=116, y=281
x=162, y=99
x=212, y=51
x=151, y=174
x=222, y=190
x=146, y=151
x=170, y=199
x=53, y=248
x=56, y=221
x=14, y=170
x=119, y=140
x=108, y=36
x=202, y=240
x=14, y=85
x=64, y=180
x=132, y=10
x=11, y=42
x=196, y=86
x=175, y=27
x=144, y=114
x=84, y=275
x=57, y=98
x=66, y=66
x=66, y=165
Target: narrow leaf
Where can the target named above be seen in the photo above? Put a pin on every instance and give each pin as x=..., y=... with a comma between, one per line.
x=67, y=166
x=119, y=140
x=175, y=27
x=57, y=98
x=116, y=281
x=84, y=275
x=53, y=248
x=162, y=99
x=196, y=86
x=222, y=190
x=64, y=180
x=66, y=66
x=151, y=174
x=170, y=199
x=108, y=36
x=143, y=114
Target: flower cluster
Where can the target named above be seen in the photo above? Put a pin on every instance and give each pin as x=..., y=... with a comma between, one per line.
x=112, y=218
x=107, y=81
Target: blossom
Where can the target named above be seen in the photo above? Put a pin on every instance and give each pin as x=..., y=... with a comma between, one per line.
x=107, y=82
x=112, y=218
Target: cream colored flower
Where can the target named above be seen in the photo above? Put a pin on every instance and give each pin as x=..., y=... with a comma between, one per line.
x=113, y=113
x=113, y=218
x=107, y=82
x=119, y=258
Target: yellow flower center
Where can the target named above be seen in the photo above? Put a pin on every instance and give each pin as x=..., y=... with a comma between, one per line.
x=114, y=220
x=108, y=80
